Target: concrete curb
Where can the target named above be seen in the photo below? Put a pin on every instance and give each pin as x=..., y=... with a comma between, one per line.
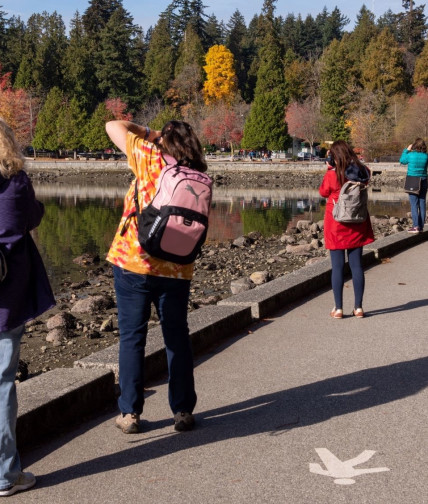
x=207, y=326
x=59, y=398
x=52, y=401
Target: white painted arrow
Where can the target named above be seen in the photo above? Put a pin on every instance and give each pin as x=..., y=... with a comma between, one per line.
x=343, y=471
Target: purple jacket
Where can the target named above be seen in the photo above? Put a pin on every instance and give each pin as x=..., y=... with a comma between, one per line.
x=25, y=293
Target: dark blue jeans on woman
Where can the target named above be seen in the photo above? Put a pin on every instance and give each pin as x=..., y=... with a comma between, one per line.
x=134, y=295
x=418, y=206
x=337, y=275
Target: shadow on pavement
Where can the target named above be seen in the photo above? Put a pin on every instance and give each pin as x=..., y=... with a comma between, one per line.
x=411, y=305
x=270, y=414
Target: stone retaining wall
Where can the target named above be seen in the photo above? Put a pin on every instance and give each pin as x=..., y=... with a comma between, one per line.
x=213, y=166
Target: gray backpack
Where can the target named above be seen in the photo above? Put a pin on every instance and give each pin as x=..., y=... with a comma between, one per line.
x=351, y=207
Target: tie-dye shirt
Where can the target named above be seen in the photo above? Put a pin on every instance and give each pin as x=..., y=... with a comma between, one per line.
x=146, y=162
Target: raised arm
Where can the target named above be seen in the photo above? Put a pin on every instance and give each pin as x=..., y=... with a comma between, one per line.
x=118, y=131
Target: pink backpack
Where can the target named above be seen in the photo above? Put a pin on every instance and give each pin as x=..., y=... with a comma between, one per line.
x=174, y=225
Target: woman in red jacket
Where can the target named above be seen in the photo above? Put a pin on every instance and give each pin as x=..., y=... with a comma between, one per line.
x=338, y=237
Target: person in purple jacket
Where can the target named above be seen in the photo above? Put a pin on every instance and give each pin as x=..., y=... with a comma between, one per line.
x=25, y=293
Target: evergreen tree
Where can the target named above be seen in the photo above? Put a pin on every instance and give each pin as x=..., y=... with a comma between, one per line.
x=159, y=64
x=383, y=65
x=312, y=38
x=13, y=44
x=363, y=33
x=237, y=42
x=295, y=77
x=48, y=71
x=412, y=27
x=299, y=37
x=389, y=20
x=331, y=25
x=95, y=138
x=116, y=74
x=97, y=15
x=70, y=125
x=79, y=76
x=357, y=41
x=251, y=48
x=3, y=24
x=198, y=20
x=334, y=79
x=265, y=126
x=288, y=33
x=46, y=133
x=45, y=43
x=190, y=52
x=420, y=76
x=334, y=26
x=214, y=32
x=26, y=78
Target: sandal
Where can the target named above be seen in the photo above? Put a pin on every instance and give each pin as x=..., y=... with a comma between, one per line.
x=336, y=313
x=358, y=312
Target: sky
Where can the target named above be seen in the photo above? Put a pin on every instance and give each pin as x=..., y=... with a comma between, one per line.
x=146, y=12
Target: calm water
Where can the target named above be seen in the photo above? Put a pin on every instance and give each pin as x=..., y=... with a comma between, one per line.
x=81, y=219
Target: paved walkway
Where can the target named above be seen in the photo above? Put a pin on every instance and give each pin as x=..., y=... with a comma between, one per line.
x=300, y=409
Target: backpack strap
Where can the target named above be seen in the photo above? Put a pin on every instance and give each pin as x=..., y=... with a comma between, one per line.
x=170, y=161
x=134, y=213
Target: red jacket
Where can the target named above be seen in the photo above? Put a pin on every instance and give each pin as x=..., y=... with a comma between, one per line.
x=337, y=235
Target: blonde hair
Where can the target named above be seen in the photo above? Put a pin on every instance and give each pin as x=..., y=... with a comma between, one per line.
x=11, y=157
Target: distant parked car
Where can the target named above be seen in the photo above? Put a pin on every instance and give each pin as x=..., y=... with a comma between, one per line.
x=304, y=156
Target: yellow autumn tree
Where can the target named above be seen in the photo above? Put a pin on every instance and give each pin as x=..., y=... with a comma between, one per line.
x=220, y=84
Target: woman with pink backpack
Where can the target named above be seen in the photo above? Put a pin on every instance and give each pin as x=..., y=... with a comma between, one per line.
x=142, y=279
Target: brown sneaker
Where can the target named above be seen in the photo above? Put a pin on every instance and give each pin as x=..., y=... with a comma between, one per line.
x=183, y=421
x=129, y=423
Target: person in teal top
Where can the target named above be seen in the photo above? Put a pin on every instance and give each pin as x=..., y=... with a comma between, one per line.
x=416, y=159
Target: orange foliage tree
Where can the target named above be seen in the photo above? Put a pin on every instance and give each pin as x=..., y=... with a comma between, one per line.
x=221, y=81
x=19, y=109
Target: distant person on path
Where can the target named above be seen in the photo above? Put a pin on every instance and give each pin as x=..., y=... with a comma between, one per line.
x=25, y=293
x=344, y=165
x=141, y=279
x=416, y=157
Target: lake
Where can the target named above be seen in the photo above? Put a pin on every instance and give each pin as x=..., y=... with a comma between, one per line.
x=83, y=219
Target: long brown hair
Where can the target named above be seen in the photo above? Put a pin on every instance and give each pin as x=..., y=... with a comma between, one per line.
x=419, y=145
x=343, y=155
x=180, y=141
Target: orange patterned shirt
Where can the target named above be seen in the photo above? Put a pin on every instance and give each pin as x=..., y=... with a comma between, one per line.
x=146, y=162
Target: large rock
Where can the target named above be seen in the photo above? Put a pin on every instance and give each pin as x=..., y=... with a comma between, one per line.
x=62, y=319
x=303, y=224
x=300, y=249
x=260, y=277
x=57, y=336
x=93, y=304
x=241, y=285
x=242, y=241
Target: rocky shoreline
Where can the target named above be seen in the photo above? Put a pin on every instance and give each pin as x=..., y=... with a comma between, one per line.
x=85, y=318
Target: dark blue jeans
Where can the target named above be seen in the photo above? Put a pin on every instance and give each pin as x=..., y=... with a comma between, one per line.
x=337, y=275
x=418, y=206
x=134, y=295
